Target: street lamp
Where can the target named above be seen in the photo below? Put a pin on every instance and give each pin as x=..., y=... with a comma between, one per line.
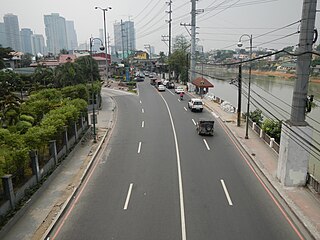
x=105, y=36
x=92, y=90
x=249, y=85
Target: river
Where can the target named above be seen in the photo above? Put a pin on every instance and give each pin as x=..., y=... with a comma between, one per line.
x=273, y=95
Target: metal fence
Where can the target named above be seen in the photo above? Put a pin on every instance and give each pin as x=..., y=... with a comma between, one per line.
x=25, y=178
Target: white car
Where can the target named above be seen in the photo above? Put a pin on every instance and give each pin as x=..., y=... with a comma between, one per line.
x=179, y=89
x=161, y=88
x=195, y=104
x=164, y=82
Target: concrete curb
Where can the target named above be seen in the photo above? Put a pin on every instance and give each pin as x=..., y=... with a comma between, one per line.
x=83, y=177
x=285, y=199
x=34, y=196
x=68, y=201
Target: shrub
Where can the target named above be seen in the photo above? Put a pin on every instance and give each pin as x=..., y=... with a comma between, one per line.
x=256, y=116
x=272, y=128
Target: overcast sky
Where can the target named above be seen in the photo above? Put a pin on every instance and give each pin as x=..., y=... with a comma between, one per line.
x=221, y=24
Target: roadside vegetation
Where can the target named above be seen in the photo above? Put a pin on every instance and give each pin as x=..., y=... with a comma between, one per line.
x=37, y=108
x=271, y=127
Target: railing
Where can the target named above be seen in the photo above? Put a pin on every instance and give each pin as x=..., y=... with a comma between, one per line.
x=46, y=161
x=314, y=183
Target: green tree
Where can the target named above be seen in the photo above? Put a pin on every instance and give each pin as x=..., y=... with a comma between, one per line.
x=87, y=63
x=4, y=53
x=26, y=60
x=178, y=60
x=44, y=76
x=13, y=154
x=74, y=92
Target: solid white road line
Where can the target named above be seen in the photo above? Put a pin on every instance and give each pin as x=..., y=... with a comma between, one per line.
x=142, y=110
x=139, y=147
x=226, y=192
x=142, y=124
x=185, y=109
x=128, y=197
x=193, y=121
x=205, y=142
x=171, y=92
x=182, y=212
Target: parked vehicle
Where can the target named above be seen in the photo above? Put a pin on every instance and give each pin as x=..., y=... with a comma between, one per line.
x=205, y=127
x=195, y=104
x=179, y=89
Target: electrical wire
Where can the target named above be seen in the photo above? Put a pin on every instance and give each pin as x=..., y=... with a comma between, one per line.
x=148, y=13
x=271, y=105
x=305, y=144
x=274, y=40
x=247, y=4
x=200, y=20
x=147, y=5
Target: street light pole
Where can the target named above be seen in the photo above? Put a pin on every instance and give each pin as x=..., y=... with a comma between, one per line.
x=105, y=37
x=249, y=84
x=92, y=90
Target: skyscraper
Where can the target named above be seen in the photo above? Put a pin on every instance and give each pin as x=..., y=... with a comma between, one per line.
x=126, y=38
x=71, y=36
x=3, y=38
x=12, y=31
x=26, y=34
x=38, y=46
x=55, y=27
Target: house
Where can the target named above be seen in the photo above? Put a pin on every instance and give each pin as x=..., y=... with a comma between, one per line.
x=287, y=67
x=65, y=58
x=141, y=55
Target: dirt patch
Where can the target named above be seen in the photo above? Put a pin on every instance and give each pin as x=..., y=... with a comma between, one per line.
x=282, y=75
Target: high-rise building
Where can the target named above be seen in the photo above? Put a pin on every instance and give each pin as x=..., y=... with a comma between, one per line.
x=71, y=36
x=55, y=27
x=3, y=38
x=38, y=46
x=26, y=34
x=124, y=36
x=12, y=31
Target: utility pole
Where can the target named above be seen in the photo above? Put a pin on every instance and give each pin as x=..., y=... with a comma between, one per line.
x=239, y=96
x=148, y=48
x=295, y=133
x=127, y=32
x=169, y=36
x=109, y=47
x=303, y=63
x=193, y=39
x=105, y=37
x=165, y=39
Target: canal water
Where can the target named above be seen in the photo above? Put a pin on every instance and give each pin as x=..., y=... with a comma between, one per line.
x=272, y=95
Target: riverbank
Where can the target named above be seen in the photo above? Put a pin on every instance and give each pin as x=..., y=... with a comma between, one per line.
x=282, y=75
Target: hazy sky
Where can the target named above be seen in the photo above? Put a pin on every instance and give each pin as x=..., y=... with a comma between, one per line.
x=221, y=24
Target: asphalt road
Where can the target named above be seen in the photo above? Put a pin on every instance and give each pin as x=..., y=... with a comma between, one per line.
x=158, y=179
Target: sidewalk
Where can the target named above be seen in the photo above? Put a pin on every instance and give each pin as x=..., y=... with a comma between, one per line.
x=44, y=207
x=42, y=210
x=302, y=201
